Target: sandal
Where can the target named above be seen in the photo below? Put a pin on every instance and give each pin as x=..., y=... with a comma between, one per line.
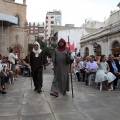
x=54, y=94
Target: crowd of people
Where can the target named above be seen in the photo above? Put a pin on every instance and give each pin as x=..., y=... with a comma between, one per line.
x=103, y=70
x=106, y=70
x=11, y=67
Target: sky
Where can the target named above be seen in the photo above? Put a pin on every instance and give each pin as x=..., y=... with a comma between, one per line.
x=73, y=11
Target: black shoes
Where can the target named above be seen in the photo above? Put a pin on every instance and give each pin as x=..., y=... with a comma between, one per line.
x=39, y=90
x=64, y=93
x=3, y=92
x=35, y=89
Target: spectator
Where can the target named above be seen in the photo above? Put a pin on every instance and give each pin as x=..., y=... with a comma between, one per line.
x=1, y=90
x=103, y=75
x=76, y=68
x=91, y=68
x=81, y=68
x=114, y=68
x=12, y=57
x=3, y=76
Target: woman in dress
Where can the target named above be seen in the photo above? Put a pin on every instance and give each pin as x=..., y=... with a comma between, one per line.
x=103, y=74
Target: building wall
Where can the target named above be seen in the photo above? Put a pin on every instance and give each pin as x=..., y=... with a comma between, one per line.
x=74, y=35
x=105, y=37
x=14, y=35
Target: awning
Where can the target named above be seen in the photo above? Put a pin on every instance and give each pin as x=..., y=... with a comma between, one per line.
x=8, y=18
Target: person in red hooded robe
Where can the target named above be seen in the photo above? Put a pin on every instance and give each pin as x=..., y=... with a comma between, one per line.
x=60, y=59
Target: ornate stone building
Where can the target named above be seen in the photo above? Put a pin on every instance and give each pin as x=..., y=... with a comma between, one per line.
x=104, y=41
x=13, y=31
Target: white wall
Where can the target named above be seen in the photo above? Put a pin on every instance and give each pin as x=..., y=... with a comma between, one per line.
x=74, y=35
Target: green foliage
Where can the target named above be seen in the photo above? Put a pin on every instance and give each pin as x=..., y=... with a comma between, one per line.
x=42, y=46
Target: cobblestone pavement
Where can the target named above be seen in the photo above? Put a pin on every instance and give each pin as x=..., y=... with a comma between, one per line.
x=22, y=103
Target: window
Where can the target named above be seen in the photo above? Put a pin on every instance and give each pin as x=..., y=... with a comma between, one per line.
x=52, y=22
x=52, y=17
x=18, y=20
x=35, y=31
x=52, y=31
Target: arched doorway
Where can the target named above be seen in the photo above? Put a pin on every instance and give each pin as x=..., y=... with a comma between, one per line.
x=98, y=50
x=116, y=48
x=86, y=53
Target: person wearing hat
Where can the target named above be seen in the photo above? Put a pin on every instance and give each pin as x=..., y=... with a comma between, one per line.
x=37, y=61
x=60, y=59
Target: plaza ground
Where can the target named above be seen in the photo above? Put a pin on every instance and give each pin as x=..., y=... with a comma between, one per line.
x=22, y=103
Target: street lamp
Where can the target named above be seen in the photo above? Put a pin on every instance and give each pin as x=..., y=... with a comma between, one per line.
x=95, y=45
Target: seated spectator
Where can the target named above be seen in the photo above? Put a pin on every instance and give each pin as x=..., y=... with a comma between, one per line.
x=119, y=59
x=1, y=90
x=17, y=71
x=4, y=76
x=25, y=68
x=76, y=68
x=91, y=68
x=114, y=68
x=86, y=60
x=27, y=58
x=5, y=64
x=103, y=75
x=81, y=68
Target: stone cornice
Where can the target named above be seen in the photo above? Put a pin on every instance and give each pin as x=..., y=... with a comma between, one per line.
x=109, y=30
x=14, y=3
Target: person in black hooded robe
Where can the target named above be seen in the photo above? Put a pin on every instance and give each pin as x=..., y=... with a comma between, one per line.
x=38, y=60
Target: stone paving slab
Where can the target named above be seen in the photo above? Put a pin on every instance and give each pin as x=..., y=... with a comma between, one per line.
x=48, y=116
x=23, y=103
x=103, y=114
x=9, y=118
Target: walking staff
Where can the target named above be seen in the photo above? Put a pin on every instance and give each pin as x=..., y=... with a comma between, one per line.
x=71, y=72
x=28, y=59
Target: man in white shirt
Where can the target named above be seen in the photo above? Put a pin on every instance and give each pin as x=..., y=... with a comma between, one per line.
x=12, y=57
x=91, y=68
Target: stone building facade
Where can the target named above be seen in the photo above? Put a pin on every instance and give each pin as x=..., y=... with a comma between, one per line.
x=105, y=41
x=13, y=32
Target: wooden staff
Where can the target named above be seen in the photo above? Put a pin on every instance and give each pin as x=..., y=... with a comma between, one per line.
x=71, y=71
x=28, y=57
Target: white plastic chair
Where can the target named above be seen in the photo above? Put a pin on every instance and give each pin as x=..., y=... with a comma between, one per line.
x=91, y=76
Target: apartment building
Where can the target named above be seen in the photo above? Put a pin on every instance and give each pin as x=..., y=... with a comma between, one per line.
x=52, y=18
x=35, y=30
